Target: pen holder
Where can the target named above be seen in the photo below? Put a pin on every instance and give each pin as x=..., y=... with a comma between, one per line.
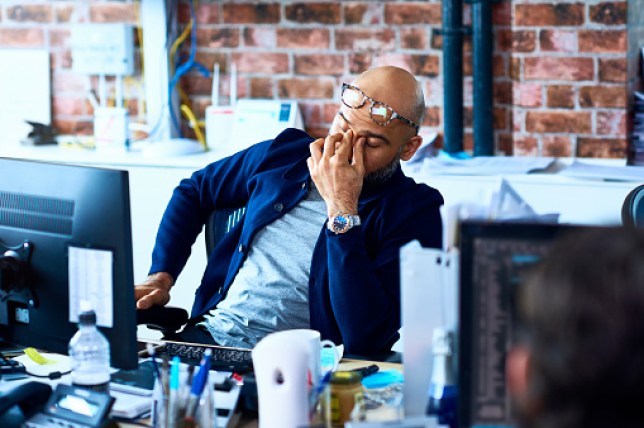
x=171, y=409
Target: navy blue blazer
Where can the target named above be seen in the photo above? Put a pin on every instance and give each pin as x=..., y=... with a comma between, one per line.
x=354, y=285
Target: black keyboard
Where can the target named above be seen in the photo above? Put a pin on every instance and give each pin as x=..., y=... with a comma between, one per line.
x=236, y=360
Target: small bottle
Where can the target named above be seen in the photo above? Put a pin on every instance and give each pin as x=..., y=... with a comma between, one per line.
x=89, y=351
x=443, y=392
x=346, y=393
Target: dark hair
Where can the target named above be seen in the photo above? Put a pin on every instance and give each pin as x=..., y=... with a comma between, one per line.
x=582, y=314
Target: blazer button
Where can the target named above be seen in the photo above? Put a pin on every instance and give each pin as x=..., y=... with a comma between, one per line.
x=304, y=185
x=241, y=248
x=278, y=207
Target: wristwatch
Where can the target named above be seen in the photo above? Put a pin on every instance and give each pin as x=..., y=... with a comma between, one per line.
x=342, y=222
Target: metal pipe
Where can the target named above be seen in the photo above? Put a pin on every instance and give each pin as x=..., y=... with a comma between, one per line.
x=482, y=78
x=452, y=32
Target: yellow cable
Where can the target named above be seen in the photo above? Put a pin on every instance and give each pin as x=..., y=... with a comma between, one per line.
x=194, y=124
x=177, y=43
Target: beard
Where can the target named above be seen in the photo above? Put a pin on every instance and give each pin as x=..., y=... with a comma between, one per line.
x=383, y=174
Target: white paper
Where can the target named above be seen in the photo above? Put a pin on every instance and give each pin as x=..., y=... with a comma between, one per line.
x=25, y=92
x=90, y=279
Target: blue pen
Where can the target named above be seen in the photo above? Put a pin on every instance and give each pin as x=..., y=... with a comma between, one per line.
x=198, y=385
x=173, y=404
x=151, y=353
x=317, y=391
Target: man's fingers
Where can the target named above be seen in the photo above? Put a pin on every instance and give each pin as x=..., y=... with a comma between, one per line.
x=316, y=149
x=330, y=144
x=358, y=154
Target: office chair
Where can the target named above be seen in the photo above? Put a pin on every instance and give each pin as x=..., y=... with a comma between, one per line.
x=633, y=208
x=169, y=319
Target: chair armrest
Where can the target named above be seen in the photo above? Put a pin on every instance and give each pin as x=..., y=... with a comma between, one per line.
x=164, y=318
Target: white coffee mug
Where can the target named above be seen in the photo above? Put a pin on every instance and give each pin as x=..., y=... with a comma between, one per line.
x=317, y=348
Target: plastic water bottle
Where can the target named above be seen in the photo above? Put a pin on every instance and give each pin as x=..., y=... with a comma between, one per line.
x=89, y=351
x=443, y=392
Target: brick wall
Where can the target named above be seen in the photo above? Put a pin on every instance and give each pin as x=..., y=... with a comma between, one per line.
x=560, y=67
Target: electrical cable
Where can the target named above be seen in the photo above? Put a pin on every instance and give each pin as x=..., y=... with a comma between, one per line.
x=194, y=124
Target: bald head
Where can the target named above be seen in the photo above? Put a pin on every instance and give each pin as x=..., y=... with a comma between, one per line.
x=397, y=87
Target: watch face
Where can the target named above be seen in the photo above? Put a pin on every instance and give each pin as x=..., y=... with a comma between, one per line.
x=341, y=224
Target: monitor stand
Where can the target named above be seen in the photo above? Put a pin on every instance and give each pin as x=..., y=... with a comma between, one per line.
x=172, y=147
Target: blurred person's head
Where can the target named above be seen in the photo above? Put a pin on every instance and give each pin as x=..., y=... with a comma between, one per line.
x=579, y=361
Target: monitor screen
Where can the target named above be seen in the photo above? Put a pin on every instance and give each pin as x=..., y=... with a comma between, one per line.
x=65, y=238
x=494, y=258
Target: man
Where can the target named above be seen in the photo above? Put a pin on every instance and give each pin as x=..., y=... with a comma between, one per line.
x=318, y=245
x=580, y=363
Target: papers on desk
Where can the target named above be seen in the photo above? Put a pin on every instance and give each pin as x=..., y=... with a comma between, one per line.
x=484, y=165
x=602, y=172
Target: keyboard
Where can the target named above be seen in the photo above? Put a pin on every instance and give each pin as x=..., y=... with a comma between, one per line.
x=236, y=360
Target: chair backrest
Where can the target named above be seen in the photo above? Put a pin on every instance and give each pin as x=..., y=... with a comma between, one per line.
x=219, y=223
x=633, y=208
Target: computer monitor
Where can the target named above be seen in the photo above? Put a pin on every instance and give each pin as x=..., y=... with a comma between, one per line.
x=494, y=260
x=65, y=237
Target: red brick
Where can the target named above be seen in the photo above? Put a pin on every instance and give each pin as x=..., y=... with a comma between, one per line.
x=425, y=65
x=515, y=68
x=504, y=142
x=363, y=13
x=612, y=70
x=73, y=126
x=523, y=41
x=503, y=38
x=360, y=62
x=267, y=13
x=558, y=41
x=468, y=117
x=467, y=64
x=437, y=40
x=208, y=60
x=70, y=106
x=372, y=40
x=329, y=110
x=205, y=13
x=196, y=84
x=602, y=41
x=602, y=96
x=601, y=147
x=217, y=37
x=559, y=68
x=319, y=13
x=261, y=87
x=556, y=121
x=542, y=15
x=413, y=13
x=310, y=38
x=253, y=62
x=433, y=116
x=500, y=118
x=527, y=94
x=305, y=88
x=319, y=64
x=260, y=37
x=499, y=66
x=611, y=123
x=525, y=145
x=62, y=59
x=502, y=13
x=556, y=146
x=114, y=12
x=414, y=38
x=22, y=37
x=311, y=112
x=502, y=92
x=562, y=96
x=468, y=142
x=610, y=13
x=32, y=13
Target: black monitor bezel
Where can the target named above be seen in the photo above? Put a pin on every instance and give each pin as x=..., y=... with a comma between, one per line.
x=104, y=191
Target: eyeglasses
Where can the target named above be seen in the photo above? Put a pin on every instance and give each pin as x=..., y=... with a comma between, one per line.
x=381, y=113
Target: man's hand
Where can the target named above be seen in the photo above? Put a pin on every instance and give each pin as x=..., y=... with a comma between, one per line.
x=337, y=169
x=155, y=290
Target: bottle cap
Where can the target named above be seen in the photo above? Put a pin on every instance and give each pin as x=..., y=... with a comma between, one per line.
x=345, y=378
x=87, y=317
